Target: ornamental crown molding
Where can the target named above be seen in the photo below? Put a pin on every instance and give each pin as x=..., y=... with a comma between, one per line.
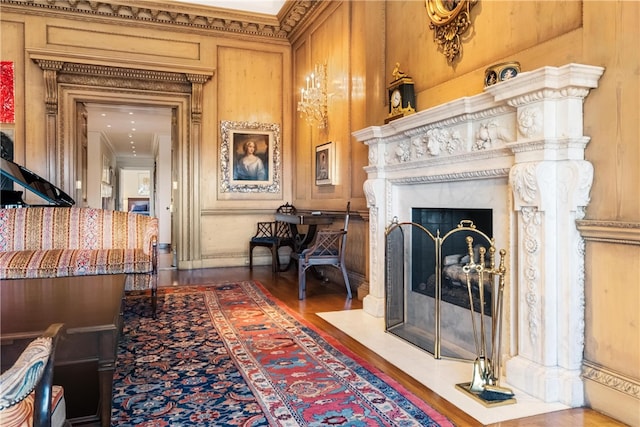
x=185, y=16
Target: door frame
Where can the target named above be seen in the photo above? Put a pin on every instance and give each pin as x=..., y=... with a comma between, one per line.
x=69, y=83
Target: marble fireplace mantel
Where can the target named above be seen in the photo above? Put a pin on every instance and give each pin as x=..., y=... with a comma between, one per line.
x=517, y=148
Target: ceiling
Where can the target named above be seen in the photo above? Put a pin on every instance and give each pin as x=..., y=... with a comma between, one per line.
x=132, y=131
x=270, y=7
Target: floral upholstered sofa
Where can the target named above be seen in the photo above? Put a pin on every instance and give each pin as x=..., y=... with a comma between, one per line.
x=43, y=242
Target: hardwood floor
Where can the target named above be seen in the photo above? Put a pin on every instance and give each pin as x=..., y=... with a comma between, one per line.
x=323, y=297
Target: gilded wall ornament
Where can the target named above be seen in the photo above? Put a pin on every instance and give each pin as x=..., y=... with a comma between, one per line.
x=449, y=20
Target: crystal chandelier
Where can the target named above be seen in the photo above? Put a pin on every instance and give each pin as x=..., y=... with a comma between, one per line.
x=313, y=98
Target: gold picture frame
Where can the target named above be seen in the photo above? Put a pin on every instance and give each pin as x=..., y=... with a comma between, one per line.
x=250, y=157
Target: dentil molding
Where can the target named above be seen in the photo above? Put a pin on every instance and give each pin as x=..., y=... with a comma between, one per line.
x=184, y=16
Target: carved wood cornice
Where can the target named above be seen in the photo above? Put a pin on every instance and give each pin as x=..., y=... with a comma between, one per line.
x=193, y=18
x=107, y=76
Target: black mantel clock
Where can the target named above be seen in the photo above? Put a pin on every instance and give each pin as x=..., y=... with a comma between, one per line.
x=402, y=99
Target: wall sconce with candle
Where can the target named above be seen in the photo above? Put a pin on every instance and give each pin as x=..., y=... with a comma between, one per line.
x=313, y=98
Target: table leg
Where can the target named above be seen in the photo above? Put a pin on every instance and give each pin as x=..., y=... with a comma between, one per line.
x=106, y=393
x=108, y=351
x=303, y=241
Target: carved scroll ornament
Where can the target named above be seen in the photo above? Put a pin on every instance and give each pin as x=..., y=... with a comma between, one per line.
x=449, y=20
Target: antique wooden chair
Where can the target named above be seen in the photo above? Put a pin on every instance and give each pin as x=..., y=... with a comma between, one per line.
x=328, y=248
x=273, y=235
x=27, y=396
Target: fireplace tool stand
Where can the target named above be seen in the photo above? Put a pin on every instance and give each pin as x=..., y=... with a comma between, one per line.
x=485, y=383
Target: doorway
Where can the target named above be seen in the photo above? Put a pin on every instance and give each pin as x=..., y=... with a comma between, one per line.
x=135, y=145
x=77, y=84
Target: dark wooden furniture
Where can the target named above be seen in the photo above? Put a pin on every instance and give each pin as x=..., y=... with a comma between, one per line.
x=273, y=235
x=91, y=309
x=328, y=248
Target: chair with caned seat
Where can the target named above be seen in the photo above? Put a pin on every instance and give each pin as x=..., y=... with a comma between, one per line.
x=27, y=394
x=328, y=248
x=273, y=235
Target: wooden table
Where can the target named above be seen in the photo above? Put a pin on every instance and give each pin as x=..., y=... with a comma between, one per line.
x=91, y=309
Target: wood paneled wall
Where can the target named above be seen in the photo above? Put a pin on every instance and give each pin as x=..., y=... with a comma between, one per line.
x=258, y=79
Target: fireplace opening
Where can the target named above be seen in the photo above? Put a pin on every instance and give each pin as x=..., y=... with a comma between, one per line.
x=427, y=288
x=454, y=252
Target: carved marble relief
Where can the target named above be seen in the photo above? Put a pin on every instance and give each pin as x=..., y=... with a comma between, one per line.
x=449, y=138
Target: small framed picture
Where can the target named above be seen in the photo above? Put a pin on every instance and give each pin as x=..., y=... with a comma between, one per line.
x=106, y=176
x=325, y=164
x=144, y=183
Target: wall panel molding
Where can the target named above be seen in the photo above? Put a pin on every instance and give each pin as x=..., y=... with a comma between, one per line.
x=599, y=374
x=627, y=233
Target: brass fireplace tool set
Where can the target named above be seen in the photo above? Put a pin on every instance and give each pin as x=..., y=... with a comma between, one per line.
x=485, y=384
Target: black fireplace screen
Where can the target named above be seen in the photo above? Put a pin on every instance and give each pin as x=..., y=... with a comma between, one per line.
x=426, y=288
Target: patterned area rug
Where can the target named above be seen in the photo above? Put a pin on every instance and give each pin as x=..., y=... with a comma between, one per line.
x=230, y=355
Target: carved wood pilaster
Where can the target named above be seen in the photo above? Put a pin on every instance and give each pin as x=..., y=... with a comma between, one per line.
x=197, y=83
x=50, y=71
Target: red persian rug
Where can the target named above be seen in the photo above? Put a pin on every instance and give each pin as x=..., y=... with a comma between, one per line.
x=281, y=371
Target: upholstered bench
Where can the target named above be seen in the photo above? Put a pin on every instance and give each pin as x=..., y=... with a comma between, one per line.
x=41, y=242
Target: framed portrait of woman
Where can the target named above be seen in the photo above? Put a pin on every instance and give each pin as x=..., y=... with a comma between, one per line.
x=324, y=164
x=250, y=157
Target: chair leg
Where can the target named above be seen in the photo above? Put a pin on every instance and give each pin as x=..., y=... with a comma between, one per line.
x=302, y=283
x=251, y=257
x=154, y=295
x=346, y=280
x=277, y=269
x=274, y=259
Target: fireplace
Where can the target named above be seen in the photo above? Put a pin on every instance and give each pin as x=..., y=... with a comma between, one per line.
x=517, y=149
